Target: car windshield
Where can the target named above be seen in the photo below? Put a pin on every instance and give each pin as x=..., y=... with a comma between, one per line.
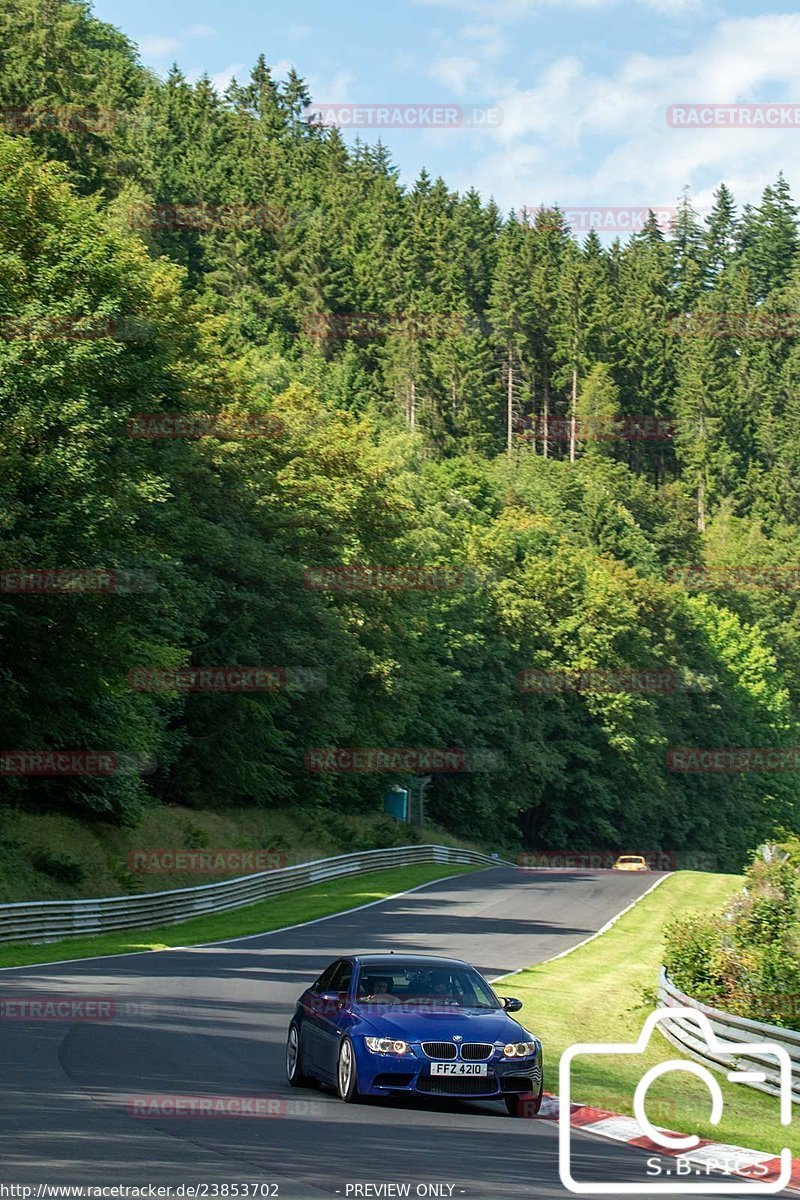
x=412, y=985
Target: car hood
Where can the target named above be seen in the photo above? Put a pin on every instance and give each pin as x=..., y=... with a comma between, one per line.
x=471, y=1024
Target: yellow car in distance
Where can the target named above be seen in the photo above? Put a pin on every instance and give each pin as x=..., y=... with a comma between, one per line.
x=631, y=862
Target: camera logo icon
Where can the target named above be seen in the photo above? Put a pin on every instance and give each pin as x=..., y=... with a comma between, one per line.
x=672, y=1143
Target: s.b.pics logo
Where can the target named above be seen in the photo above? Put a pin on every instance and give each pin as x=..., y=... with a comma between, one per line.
x=737, y=1058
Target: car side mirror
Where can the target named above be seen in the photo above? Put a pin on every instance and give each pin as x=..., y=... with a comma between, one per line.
x=332, y=1001
x=511, y=1004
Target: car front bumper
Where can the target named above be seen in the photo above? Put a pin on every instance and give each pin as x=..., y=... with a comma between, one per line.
x=393, y=1073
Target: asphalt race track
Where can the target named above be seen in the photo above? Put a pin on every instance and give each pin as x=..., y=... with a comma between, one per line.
x=212, y=1020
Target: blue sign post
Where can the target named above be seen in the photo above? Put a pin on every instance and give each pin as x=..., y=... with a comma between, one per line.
x=395, y=803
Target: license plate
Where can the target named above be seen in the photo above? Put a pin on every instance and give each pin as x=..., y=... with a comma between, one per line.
x=458, y=1068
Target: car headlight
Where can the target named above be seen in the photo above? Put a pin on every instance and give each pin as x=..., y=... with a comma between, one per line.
x=387, y=1046
x=520, y=1049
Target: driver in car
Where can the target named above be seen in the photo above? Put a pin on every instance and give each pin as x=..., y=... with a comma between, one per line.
x=442, y=988
x=377, y=988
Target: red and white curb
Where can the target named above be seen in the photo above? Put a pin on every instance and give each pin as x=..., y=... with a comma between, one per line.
x=625, y=1129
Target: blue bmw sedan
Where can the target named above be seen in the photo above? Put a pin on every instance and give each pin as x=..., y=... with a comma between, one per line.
x=383, y=1024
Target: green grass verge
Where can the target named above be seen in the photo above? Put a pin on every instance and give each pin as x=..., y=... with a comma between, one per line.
x=597, y=994
x=306, y=904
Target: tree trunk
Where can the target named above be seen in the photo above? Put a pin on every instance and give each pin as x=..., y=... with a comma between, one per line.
x=545, y=414
x=572, y=416
x=510, y=404
x=701, y=505
x=701, y=486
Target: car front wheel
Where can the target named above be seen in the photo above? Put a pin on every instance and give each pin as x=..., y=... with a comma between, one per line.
x=294, y=1065
x=346, y=1079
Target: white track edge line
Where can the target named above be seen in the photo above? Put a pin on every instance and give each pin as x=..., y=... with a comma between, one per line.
x=585, y=941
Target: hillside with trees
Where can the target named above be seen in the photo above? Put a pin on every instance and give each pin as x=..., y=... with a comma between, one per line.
x=496, y=427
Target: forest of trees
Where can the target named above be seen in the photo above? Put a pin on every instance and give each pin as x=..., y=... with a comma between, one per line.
x=488, y=426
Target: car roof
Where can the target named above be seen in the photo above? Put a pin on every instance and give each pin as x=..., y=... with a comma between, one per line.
x=424, y=960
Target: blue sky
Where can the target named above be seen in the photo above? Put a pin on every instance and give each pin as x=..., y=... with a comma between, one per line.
x=583, y=85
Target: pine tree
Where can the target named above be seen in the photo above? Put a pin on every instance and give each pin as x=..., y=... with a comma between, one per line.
x=596, y=409
x=689, y=262
x=260, y=98
x=708, y=440
x=550, y=247
x=296, y=101
x=644, y=341
x=582, y=322
x=721, y=235
x=768, y=239
x=67, y=81
x=509, y=316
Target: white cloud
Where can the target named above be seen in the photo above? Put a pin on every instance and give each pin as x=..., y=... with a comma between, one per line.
x=491, y=42
x=674, y=8
x=299, y=31
x=339, y=88
x=740, y=57
x=222, y=78
x=153, y=45
x=456, y=72
x=404, y=62
x=580, y=137
x=467, y=71
x=511, y=10
x=335, y=90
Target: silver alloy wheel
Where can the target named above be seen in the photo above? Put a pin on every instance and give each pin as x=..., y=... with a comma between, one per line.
x=345, y=1068
x=292, y=1052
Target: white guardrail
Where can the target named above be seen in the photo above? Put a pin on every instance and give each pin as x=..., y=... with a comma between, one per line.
x=50, y=920
x=685, y=1034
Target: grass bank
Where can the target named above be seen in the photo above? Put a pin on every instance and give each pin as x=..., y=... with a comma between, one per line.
x=603, y=992
x=57, y=856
